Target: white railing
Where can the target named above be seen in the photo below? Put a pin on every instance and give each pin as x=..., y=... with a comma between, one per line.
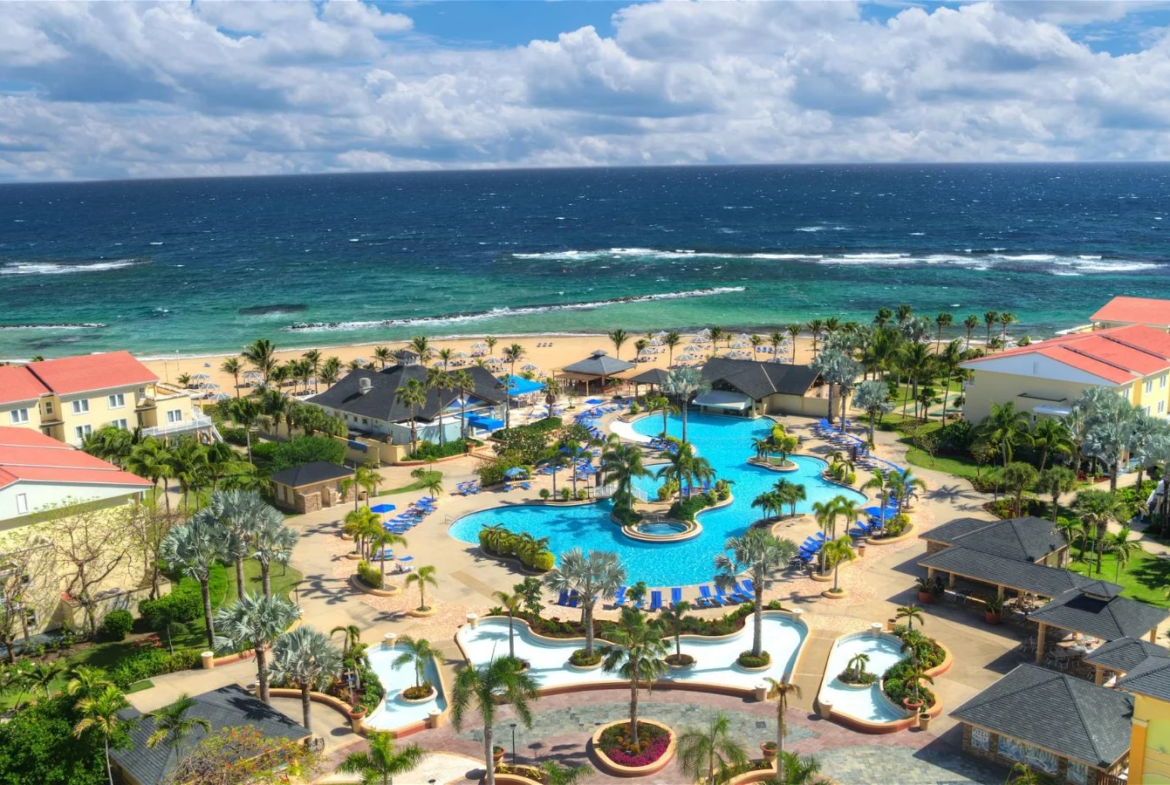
x=196, y=422
x=606, y=491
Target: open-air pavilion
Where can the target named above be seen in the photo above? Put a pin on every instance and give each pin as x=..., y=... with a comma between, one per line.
x=1097, y=610
x=1000, y=573
x=598, y=367
x=653, y=377
x=1126, y=655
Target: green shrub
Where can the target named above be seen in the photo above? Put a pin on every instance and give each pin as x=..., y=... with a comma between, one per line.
x=749, y=660
x=685, y=509
x=635, y=408
x=582, y=494
x=581, y=659
x=236, y=436
x=369, y=575
x=179, y=606
x=894, y=690
x=667, y=490
x=626, y=516
x=116, y=625
x=566, y=494
x=722, y=490
x=272, y=457
x=897, y=524
x=543, y=561
x=150, y=663
x=545, y=493
x=429, y=451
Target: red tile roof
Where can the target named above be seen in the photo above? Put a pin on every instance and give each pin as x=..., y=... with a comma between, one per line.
x=91, y=372
x=28, y=455
x=18, y=383
x=1135, y=310
x=1119, y=355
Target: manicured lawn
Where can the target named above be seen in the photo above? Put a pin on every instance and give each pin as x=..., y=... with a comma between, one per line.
x=417, y=485
x=1145, y=577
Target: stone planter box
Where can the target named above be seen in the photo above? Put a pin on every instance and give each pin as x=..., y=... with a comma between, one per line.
x=835, y=595
x=422, y=613
x=584, y=668
x=434, y=693
x=362, y=586
x=607, y=766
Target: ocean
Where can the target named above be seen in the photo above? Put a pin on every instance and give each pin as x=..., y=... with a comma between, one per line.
x=208, y=265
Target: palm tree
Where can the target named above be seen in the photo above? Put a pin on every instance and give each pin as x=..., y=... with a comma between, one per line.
x=779, y=692
x=192, y=549
x=672, y=340
x=151, y=460
x=254, y=621
x=462, y=385
x=512, y=355
x=617, y=338
x=910, y=613
x=793, y=329
x=621, y=464
x=238, y=512
x=305, y=658
x=330, y=371
x=1005, y=320
x=1022, y=774
x=882, y=481
x=511, y=602
x=1056, y=481
x=421, y=346
x=717, y=334
x=245, y=412
x=760, y=555
x=484, y=688
x=637, y=654
x=556, y=774
x=417, y=652
x=172, y=726
x=383, y=355
x=684, y=384
x=795, y=770
x=596, y=575
x=365, y=476
x=969, y=325
x=1017, y=477
x=1051, y=436
x=439, y=380
x=702, y=752
x=352, y=646
x=941, y=321
x=816, y=327
x=1122, y=548
x=86, y=681
x=872, y=398
x=857, y=664
x=382, y=762
x=425, y=576
x=1006, y=427
x=1096, y=510
x=412, y=394
x=990, y=319
x=673, y=616
x=261, y=355
x=232, y=367
x=100, y=713
x=838, y=551
x=272, y=543
x=381, y=540
x=363, y=525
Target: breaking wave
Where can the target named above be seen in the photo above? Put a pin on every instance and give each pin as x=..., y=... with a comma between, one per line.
x=57, y=326
x=66, y=268
x=496, y=313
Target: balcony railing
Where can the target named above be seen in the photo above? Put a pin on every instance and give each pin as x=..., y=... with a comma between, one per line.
x=196, y=422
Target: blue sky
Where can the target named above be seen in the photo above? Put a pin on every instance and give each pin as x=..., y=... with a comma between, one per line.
x=113, y=90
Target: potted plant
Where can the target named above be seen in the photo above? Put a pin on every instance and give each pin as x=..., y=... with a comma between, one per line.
x=992, y=608
x=913, y=703
x=925, y=590
x=769, y=750
x=497, y=754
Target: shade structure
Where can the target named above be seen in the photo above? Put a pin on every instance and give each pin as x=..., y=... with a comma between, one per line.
x=200, y=377
x=518, y=385
x=530, y=367
x=483, y=422
x=516, y=471
x=382, y=509
x=654, y=376
x=598, y=364
x=724, y=399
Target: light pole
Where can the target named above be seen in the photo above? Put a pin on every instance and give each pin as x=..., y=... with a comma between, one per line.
x=513, y=744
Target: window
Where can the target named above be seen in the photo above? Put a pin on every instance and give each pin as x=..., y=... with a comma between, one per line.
x=21, y=503
x=1161, y=407
x=30, y=615
x=48, y=407
x=81, y=407
x=175, y=415
x=980, y=739
x=1162, y=381
x=120, y=424
x=1149, y=385
x=82, y=431
x=117, y=401
x=1077, y=772
x=19, y=416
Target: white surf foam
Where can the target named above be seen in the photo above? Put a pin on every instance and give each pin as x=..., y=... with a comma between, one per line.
x=63, y=268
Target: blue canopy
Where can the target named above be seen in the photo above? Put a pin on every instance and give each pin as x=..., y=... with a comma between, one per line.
x=595, y=401
x=516, y=471
x=382, y=509
x=518, y=385
x=485, y=422
x=586, y=468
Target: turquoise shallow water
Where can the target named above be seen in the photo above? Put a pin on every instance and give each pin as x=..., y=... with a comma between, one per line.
x=192, y=266
x=726, y=443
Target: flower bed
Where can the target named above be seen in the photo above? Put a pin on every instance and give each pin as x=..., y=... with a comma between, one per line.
x=680, y=660
x=653, y=742
x=581, y=660
x=896, y=683
x=421, y=692
x=748, y=660
x=851, y=677
x=728, y=624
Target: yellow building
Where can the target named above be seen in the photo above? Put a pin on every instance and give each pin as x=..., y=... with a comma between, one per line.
x=1149, y=746
x=1045, y=378
x=71, y=397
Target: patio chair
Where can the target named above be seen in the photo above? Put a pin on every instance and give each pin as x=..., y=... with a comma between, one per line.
x=619, y=599
x=706, y=597
x=563, y=599
x=655, y=600
x=725, y=598
x=675, y=596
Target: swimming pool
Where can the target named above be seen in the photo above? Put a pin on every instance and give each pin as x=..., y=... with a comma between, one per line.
x=393, y=712
x=726, y=443
x=863, y=703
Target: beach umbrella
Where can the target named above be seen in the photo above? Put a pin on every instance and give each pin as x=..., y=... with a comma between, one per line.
x=530, y=367
x=253, y=375
x=361, y=360
x=382, y=509
x=461, y=354
x=704, y=333
x=739, y=345
x=221, y=397
x=516, y=471
x=200, y=377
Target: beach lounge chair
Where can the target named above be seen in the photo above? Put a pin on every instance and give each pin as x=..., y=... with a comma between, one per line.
x=722, y=596
x=619, y=599
x=675, y=596
x=526, y=486
x=655, y=600
x=705, y=596
x=574, y=600
x=741, y=592
x=563, y=599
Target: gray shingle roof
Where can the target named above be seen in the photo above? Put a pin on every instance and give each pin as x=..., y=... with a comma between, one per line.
x=598, y=364
x=1149, y=677
x=310, y=474
x=381, y=401
x=1026, y=538
x=1023, y=575
x=651, y=376
x=1125, y=654
x=758, y=379
x=1055, y=711
x=1101, y=613
x=230, y=706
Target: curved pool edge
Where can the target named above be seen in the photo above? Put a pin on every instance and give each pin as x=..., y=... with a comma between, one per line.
x=412, y=726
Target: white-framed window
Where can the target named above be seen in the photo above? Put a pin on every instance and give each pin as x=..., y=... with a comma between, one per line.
x=175, y=415
x=1162, y=381
x=48, y=407
x=980, y=739
x=120, y=424
x=1161, y=407
x=21, y=503
x=82, y=431
x=141, y=392
x=1149, y=385
x=1147, y=408
x=18, y=416
x=117, y=400
x=81, y=407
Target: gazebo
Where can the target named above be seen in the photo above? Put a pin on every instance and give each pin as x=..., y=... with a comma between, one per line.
x=1098, y=610
x=654, y=377
x=598, y=366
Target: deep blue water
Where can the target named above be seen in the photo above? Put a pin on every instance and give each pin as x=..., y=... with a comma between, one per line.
x=208, y=265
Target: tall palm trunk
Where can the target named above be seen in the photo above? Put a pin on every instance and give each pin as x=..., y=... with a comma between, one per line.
x=511, y=637
x=758, y=621
x=239, y=578
x=265, y=574
x=684, y=419
x=109, y=773
x=306, y=708
x=442, y=430
x=487, y=753
x=587, y=610
x=262, y=671
x=210, y=624
x=634, y=707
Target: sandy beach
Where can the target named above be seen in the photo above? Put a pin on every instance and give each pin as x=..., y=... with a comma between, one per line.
x=548, y=352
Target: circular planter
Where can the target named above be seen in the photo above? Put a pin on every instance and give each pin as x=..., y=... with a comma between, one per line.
x=768, y=749
x=353, y=556
x=680, y=666
x=835, y=595
x=819, y=578
x=753, y=668
x=422, y=613
x=825, y=709
x=362, y=586
x=616, y=769
x=925, y=597
x=498, y=754
x=583, y=668
x=850, y=686
x=429, y=697
x=991, y=618
x=913, y=704
x=923, y=721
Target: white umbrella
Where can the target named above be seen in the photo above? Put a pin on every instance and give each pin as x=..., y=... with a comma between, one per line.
x=530, y=367
x=739, y=345
x=253, y=375
x=221, y=397
x=655, y=342
x=743, y=337
x=461, y=354
x=200, y=377
x=705, y=333
x=361, y=360
x=478, y=347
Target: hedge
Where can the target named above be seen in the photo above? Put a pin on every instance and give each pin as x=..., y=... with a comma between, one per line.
x=369, y=575
x=150, y=663
x=509, y=544
x=273, y=457
x=429, y=451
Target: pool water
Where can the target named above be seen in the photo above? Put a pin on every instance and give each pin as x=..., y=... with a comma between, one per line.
x=392, y=712
x=726, y=442
x=714, y=659
x=864, y=704
x=660, y=528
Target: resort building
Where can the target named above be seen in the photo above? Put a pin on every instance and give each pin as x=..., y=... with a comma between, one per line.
x=1066, y=727
x=752, y=389
x=1045, y=378
x=310, y=487
x=597, y=369
x=1149, y=681
x=1028, y=539
x=369, y=403
x=228, y=707
x=38, y=472
x=71, y=397
x=1123, y=311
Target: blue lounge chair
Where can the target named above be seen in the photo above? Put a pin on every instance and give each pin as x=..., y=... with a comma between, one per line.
x=706, y=596
x=619, y=599
x=526, y=486
x=655, y=600
x=563, y=599
x=675, y=596
x=746, y=588
x=574, y=599
x=722, y=596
